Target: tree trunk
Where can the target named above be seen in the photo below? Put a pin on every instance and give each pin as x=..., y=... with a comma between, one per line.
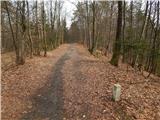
x=117, y=45
x=87, y=27
x=93, y=48
x=37, y=30
x=29, y=33
x=110, y=28
x=13, y=38
x=131, y=50
x=44, y=31
x=21, y=59
x=124, y=23
x=143, y=36
x=154, y=49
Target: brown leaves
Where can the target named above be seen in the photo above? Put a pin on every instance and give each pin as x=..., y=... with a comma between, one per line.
x=86, y=87
x=21, y=82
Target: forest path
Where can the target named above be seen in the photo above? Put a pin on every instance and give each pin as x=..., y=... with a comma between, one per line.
x=66, y=95
x=71, y=84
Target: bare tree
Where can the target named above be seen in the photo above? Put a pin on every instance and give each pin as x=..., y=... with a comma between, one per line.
x=29, y=32
x=23, y=32
x=37, y=29
x=93, y=48
x=13, y=37
x=43, y=29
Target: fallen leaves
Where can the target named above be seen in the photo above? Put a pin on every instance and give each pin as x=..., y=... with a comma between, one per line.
x=86, y=85
x=20, y=82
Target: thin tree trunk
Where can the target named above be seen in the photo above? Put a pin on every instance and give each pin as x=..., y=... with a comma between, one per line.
x=93, y=28
x=124, y=23
x=43, y=30
x=13, y=37
x=110, y=28
x=145, y=23
x=139, y=57
x=37, y=30
x=131, y=50
x=87, y=26
x=29, y=33
x=154, y=50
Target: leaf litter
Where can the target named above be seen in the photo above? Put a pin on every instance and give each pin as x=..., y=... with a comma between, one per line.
x=87, y=84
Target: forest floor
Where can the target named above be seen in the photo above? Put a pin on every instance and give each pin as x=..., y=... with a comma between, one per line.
x=71, y=84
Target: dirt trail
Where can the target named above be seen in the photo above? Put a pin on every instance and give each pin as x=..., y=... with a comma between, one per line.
x=66, y=87
x=71, y=84
x=44, y=88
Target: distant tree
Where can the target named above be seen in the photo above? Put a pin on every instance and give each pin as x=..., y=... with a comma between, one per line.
x=13, y=36
x=37, y=30
x=93, y=48
x=29, y=32
x=110, y=27
x=44, y=29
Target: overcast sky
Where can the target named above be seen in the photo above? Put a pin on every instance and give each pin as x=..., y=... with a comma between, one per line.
x=69, y=8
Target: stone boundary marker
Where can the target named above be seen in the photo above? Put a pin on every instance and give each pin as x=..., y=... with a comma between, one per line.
x=116, y=92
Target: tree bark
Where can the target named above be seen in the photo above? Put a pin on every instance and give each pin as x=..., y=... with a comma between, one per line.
x=37, y=30
x=13, y=37
x=87, y=26
x=29, y=33
x=124, y=24
x=93, y=29
x=43, y=30
x=110, y=28
x=117, y=45
x=22, y=41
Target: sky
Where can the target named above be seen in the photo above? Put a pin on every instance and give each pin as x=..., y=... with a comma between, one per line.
x=69, y=7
